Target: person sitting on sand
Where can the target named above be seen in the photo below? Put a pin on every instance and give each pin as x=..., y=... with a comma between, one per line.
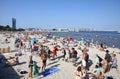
x=96, y=71
x=81, y=73
x=44, y=59
x=74, y=56
x=113, y=63
x=14, y=61
x=85, y=74
x=78, y=73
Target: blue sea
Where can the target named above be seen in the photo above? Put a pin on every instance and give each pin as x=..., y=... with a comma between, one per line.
x=111, y=38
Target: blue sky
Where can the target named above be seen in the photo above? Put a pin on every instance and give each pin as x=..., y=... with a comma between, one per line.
x=93, y=14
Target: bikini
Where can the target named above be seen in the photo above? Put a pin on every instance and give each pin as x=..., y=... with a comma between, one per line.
x=31, y=63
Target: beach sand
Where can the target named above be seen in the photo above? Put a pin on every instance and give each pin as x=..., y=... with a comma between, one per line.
x=66, y=69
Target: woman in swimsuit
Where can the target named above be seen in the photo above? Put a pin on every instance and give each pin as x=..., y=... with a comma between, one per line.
x=30, y=62
x=44, y=59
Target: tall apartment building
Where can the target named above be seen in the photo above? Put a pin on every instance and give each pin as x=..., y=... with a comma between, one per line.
x=14, y=23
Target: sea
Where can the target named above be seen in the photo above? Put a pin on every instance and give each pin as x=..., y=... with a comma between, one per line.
x=111, y=38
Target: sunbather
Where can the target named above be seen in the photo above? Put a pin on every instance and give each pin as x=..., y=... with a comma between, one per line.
x=14, y=61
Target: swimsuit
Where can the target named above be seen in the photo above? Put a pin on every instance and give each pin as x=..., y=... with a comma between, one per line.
x=31, y=63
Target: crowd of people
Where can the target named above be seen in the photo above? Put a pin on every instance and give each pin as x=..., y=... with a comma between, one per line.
x=69, y=48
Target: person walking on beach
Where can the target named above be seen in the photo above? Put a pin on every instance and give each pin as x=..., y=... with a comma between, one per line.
x=30, y=65
x=85, y=57
x=44, y=59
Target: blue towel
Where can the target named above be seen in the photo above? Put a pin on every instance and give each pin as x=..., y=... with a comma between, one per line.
x=49, y=71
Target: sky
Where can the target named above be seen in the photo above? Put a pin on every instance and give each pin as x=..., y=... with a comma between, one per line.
x=47, y=14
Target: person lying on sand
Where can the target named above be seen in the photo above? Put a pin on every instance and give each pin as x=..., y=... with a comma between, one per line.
x=14, y=61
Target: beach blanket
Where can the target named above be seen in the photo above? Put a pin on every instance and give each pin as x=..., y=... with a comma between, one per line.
x=50, y=71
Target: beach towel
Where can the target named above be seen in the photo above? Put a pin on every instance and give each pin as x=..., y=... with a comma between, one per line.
x=35, y=70
x=50, y=71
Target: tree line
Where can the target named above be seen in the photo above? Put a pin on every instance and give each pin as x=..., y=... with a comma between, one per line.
x=8, y=28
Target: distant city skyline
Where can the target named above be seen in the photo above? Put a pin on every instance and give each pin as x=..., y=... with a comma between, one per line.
x=47, y=14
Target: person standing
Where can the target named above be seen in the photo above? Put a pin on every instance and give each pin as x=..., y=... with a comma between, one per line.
x=64, y=53
x=107, y=56
x=55, y=52
x=30, y=65
x=44, y=59
x=48, y=53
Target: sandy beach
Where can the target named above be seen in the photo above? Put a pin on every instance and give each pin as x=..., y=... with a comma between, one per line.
x=65, y=70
